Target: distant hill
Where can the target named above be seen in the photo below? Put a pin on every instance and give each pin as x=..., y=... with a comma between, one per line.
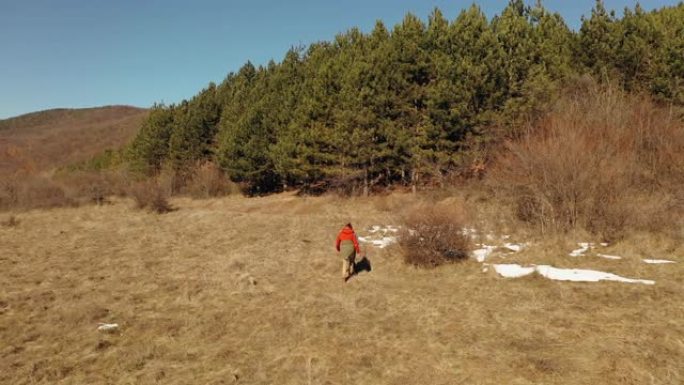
x=42, y=141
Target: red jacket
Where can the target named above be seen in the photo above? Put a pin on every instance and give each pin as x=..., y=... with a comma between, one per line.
x=347, y=234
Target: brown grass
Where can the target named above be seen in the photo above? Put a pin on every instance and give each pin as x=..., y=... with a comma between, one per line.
x=11, y=221
x=432, y=235
x=238, y=290
x=601, y=160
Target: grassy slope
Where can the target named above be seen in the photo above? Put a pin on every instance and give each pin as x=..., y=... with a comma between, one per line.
x=249, y=291
x=41, y=141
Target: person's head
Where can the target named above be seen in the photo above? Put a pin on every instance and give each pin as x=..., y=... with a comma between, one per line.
x=349, y=225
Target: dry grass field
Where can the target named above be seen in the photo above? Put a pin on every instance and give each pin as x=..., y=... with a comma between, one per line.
x=249, y=291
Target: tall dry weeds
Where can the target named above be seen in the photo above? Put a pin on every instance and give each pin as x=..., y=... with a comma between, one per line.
x=207, y=181
x=152, y=195
x=602, y=160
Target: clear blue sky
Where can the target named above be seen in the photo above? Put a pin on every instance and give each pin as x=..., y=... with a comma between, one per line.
x=81, y=53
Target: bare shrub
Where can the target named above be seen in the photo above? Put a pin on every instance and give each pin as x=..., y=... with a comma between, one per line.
x=29, y=191
x=88, y=187
x=151, y=195
x=40, y=192
x=601, y=159
x=207, y=181
x=433, y=235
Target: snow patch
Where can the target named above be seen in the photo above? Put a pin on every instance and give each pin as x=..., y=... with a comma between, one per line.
x=374, y=229
x=657, y=261
x=609, y=256
x=485, y=251
x=584, y=247
x=482, y=254
x=381, y=242
x=384, y=242
x=583, y=275
x=513, y=270
x=379, y=236
x=107, y=327
x=558, y=274
x=515, y=247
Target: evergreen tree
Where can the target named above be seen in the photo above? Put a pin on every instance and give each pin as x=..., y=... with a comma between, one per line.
x=193, y=130
x=149, y=149
x=405, y=106
x=598, y=41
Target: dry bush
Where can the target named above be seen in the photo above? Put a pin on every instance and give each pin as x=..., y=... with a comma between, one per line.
x=602, y=160
x=89, y=187
x=152, y=195
x=207, y=181
x=31, y=192
x=433, y=235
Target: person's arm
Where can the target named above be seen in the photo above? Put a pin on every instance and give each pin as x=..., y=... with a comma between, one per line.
x=356, y=244
x=337, y=243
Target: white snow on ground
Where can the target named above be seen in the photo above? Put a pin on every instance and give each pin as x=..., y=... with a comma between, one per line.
x=381, y=242
x=575, y=275
x=582, y=275
x=513, y=270
x=379, y=236
x=657, y=261
x=482, y=254
x=384, y=242
x=485, y=251
x=515, y=247
x=375, y=229
x=103, y=327
x=584, y=247
x=609, y=256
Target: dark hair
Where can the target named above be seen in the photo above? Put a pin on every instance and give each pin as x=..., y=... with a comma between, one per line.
x=349, y=225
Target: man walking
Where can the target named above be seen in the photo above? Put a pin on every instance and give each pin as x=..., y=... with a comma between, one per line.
x=347, y=246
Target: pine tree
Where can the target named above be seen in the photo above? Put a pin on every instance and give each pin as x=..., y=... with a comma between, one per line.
x=598, y=41
x=193, y=130
x=150, y=147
